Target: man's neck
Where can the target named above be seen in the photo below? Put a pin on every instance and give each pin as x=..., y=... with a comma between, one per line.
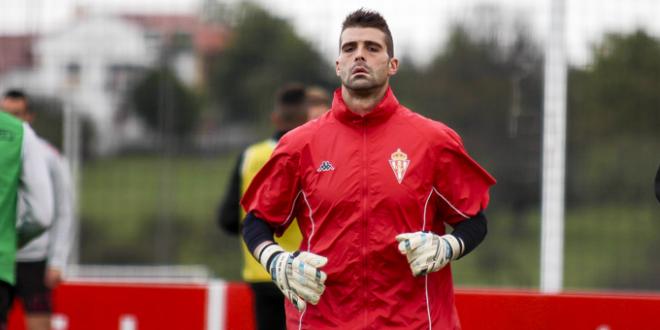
x=362, y=102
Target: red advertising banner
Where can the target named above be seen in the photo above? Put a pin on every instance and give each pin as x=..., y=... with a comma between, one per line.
x=121, y=306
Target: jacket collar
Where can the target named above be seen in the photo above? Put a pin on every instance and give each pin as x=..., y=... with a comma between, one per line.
x=379, y=114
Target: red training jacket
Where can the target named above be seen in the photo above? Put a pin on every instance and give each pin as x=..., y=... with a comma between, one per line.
x=355, y=182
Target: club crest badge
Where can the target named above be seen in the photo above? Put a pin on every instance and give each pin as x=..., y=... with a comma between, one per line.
x=399, y=162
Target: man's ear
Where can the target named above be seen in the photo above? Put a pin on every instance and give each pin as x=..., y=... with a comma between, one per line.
x=393, y=66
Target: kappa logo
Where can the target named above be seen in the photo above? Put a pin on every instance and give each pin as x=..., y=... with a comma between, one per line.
x=399, y=162
x=325, y=167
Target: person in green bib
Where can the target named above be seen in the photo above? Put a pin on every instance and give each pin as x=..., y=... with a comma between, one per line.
x=40, y=264
x=26, y=198
x=290, y=111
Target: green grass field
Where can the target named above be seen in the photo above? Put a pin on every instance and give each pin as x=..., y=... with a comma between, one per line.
x=127, y=202
x=607, y=247
x=155, y=210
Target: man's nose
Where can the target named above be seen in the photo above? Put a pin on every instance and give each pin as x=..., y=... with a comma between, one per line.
x=359, y=55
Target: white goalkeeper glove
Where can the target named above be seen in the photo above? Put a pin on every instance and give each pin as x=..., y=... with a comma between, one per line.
x=296, y=274
x=428, y=252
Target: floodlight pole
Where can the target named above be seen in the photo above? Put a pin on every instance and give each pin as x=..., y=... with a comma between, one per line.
x=554, y=153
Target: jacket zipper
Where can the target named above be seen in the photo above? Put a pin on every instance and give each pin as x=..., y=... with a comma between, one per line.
x=365, y=238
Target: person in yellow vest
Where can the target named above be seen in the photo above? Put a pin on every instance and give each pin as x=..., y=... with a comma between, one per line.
x=289, y=112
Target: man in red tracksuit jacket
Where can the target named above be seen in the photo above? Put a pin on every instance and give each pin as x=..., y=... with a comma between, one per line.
x=372, y=185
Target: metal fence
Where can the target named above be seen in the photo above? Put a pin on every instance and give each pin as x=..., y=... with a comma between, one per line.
x=148, y=193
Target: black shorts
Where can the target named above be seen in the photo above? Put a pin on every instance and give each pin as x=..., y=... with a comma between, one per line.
x=31, y=288
x=5, y=302
x=268, y=306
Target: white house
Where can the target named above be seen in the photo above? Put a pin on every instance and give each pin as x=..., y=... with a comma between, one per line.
x=89, y=65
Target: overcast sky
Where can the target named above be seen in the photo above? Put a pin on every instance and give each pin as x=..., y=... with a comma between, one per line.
x=419, y=26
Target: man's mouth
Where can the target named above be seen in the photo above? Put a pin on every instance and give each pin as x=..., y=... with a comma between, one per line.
x=359, y=69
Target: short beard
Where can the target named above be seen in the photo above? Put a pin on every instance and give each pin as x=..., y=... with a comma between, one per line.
x=362, y=89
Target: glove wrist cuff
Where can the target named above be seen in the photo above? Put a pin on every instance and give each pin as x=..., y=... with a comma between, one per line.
x=456, y=245
x=267, y=253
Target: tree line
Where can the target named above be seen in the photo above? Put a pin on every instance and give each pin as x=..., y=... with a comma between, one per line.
x=489, y=90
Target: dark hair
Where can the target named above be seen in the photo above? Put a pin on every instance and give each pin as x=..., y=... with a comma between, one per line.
x=369, y=19
x=291, y=94
x=290, y=101
x=15, y=94
x=18, y=94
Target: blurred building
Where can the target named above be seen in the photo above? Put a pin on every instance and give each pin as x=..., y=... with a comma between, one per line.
x=184, y=41
x=16, y=53
x=93, y=62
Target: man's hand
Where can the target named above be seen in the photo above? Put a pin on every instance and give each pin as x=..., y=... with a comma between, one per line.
x=53, y=277
x=296, y=274
x=428, y=252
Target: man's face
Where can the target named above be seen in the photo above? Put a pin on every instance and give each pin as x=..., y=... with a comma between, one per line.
x=363, y=63
x=316, y=111
x=16, y=107
x=289, y=117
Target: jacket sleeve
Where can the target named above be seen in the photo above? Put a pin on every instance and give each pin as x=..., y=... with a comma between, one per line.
x=461, y=182
x=63, y=229
x=229, y=212
x=36, y=193
x=273, y=192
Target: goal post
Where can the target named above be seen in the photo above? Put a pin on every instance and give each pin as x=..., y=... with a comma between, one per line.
x=554, y=153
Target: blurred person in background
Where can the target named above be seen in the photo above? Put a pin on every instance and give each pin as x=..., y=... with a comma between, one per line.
x=41, y=262
x=290, y=111
x=318, y=102
x=372, y=186
x=26, y=201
